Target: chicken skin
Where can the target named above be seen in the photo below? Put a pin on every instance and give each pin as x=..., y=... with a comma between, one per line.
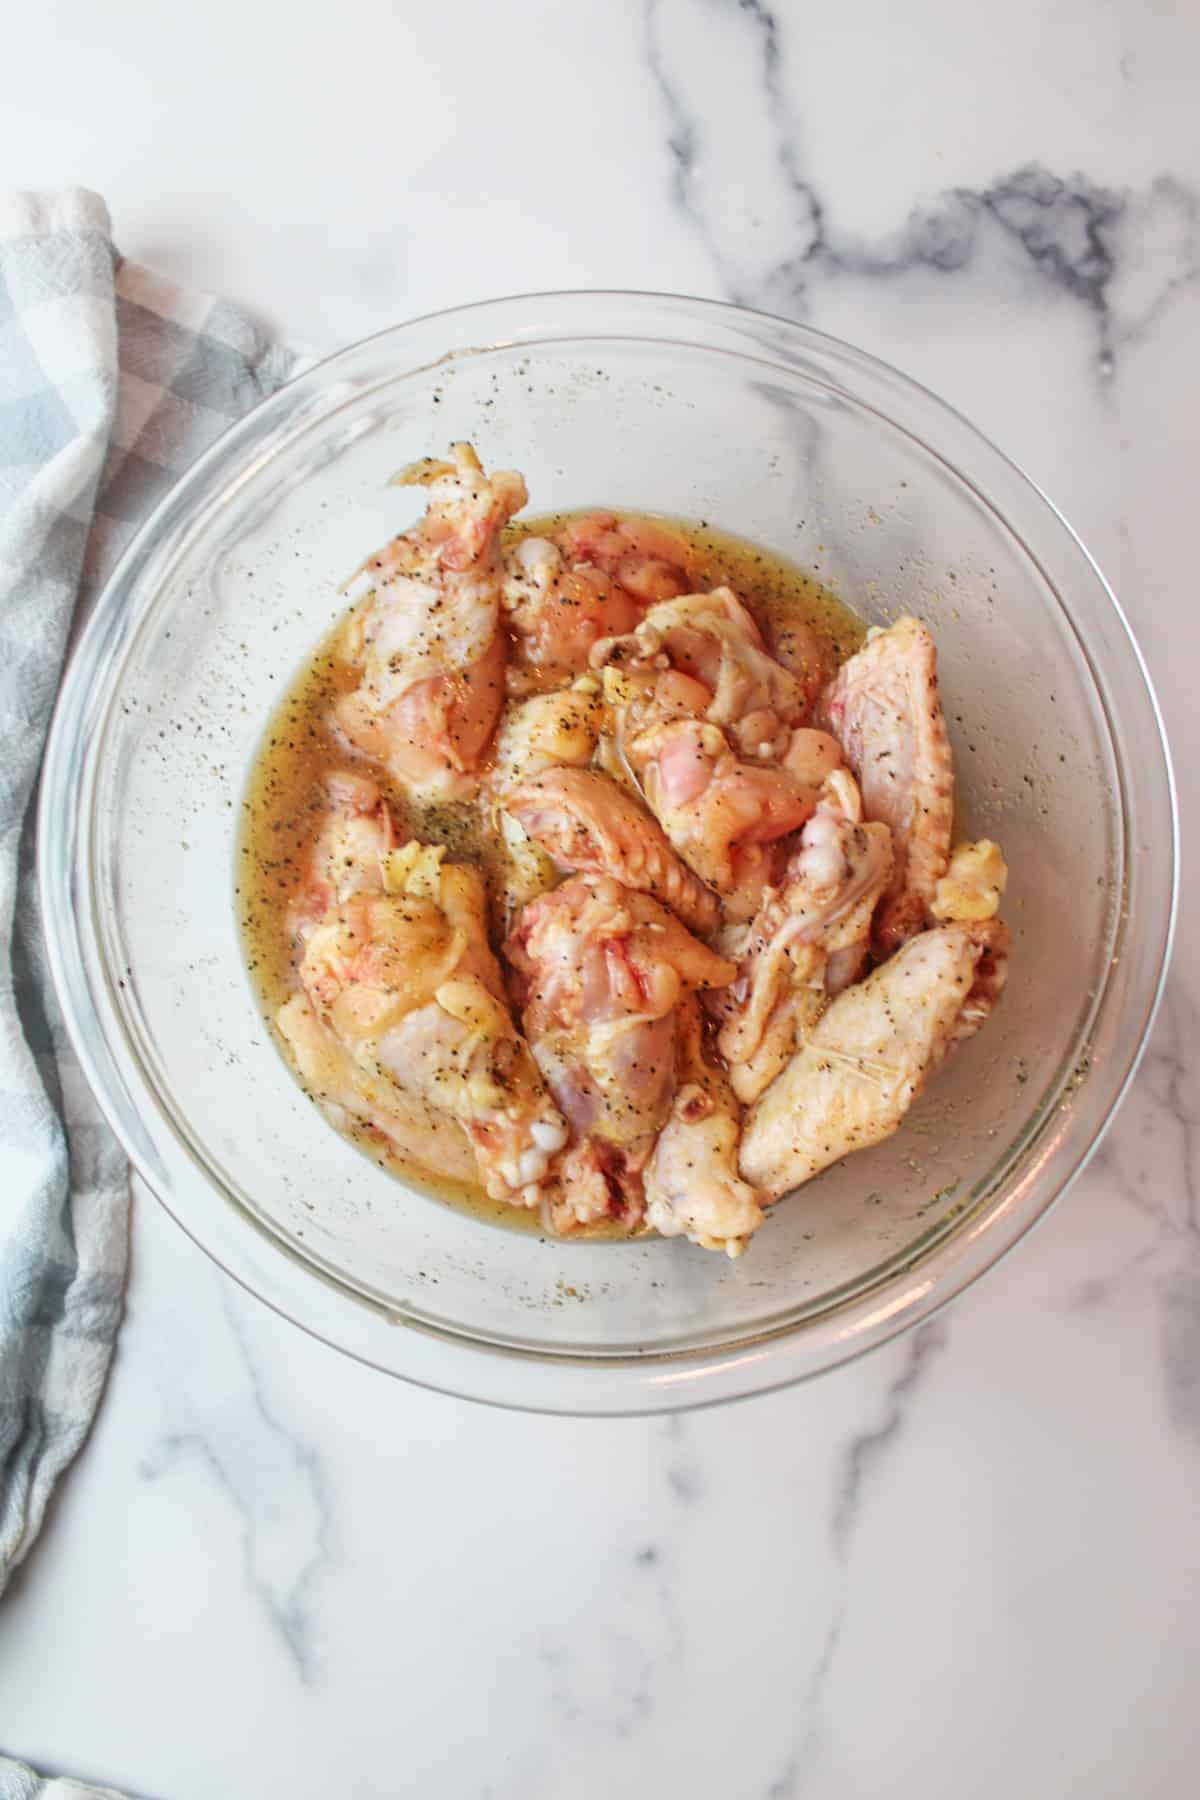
x=357, y=831
x=557, y=612
x=692, y=1184
x=647, y=559
x=808, y=941
x=427, y=639
x=600, y=972
x=408, y=986
x=723, y=815
x=973, y=886
x=884, y=710
x=713, y=640
x=348, y=1092
x=586, y=823
x=707, y=723
x=869, y=1056
x=546, y=731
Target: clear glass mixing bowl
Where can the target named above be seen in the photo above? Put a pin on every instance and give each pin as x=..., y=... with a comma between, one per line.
x=677, y=406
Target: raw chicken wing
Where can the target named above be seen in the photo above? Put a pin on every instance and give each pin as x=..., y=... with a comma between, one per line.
x=707, y=724
x=692, y=1183
x=346, y=1089
x=407, y=984
x=427, y=638
x=649, y=560
x=586, y=822
x=805, y=652
x=546, y=731
x=713, y=641
x=808, y=941
x=601, y=971
x=557, y=611
x=724, y=816
x=356, y=833
x=884, y=710
x=866, y=1060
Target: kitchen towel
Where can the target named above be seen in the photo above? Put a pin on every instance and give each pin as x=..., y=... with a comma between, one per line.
x=19, y=1783
x=111, y=382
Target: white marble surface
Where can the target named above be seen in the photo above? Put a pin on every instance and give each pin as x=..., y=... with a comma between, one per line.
x=969, y=1564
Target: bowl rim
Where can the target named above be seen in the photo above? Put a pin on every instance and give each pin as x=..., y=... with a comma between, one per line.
x=545, y=1380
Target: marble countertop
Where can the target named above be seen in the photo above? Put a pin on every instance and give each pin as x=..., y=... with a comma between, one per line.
x=969, y=1563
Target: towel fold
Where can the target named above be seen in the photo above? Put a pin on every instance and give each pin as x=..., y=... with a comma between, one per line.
x=19, y=1783
x=111, y=382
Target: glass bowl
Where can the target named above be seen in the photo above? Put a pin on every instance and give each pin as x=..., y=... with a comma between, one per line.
x=676, y=406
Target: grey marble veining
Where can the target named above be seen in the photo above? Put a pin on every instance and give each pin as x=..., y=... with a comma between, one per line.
x=735, y=140
x=860, y=1463
x=1151, y=1160
x=273, y=1481
x=684, y=1470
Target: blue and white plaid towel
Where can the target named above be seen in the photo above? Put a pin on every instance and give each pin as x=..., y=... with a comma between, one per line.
x=111, y=382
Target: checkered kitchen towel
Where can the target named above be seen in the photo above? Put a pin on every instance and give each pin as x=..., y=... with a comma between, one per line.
x=111, y=382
